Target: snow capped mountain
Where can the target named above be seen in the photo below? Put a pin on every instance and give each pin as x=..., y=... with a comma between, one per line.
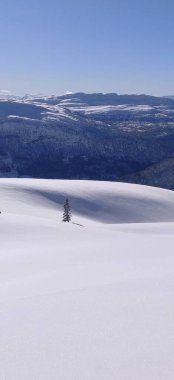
x=92, y=136
x=87, y=104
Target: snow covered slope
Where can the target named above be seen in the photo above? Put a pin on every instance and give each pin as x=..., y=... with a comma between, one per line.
x=92, y=299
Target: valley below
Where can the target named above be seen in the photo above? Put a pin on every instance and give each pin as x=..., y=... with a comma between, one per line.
x=108, y=137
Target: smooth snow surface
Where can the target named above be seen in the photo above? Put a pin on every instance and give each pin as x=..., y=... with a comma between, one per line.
x=92, y=299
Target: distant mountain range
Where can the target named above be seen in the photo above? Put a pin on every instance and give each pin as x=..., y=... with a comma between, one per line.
x=88, y=136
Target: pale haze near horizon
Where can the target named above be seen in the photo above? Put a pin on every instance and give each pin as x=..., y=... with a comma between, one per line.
x=51, y=47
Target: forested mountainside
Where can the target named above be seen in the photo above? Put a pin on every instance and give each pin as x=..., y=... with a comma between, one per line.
x=88, y=136
x=160, y=175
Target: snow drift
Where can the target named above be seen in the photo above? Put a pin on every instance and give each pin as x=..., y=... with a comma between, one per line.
x=92, y=299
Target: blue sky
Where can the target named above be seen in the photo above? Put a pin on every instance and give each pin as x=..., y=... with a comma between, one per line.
x=54, y=46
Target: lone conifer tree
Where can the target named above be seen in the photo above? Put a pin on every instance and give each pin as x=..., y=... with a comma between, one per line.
x=67, y=211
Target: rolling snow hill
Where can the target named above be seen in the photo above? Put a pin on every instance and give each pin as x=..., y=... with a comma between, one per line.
x=92, y=299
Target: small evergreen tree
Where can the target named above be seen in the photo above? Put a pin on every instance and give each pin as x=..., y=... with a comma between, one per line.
x=67, y=211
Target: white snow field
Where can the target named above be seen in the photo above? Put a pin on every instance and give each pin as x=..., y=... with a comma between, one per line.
x=87, y=300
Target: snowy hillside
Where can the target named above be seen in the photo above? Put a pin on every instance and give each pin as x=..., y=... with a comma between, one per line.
x=92, y=299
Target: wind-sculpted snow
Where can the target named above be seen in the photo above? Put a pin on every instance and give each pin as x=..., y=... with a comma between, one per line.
x=91, y=299
x=102, y=202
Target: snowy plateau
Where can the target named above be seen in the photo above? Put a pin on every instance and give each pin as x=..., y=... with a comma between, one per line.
x=91, y=299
